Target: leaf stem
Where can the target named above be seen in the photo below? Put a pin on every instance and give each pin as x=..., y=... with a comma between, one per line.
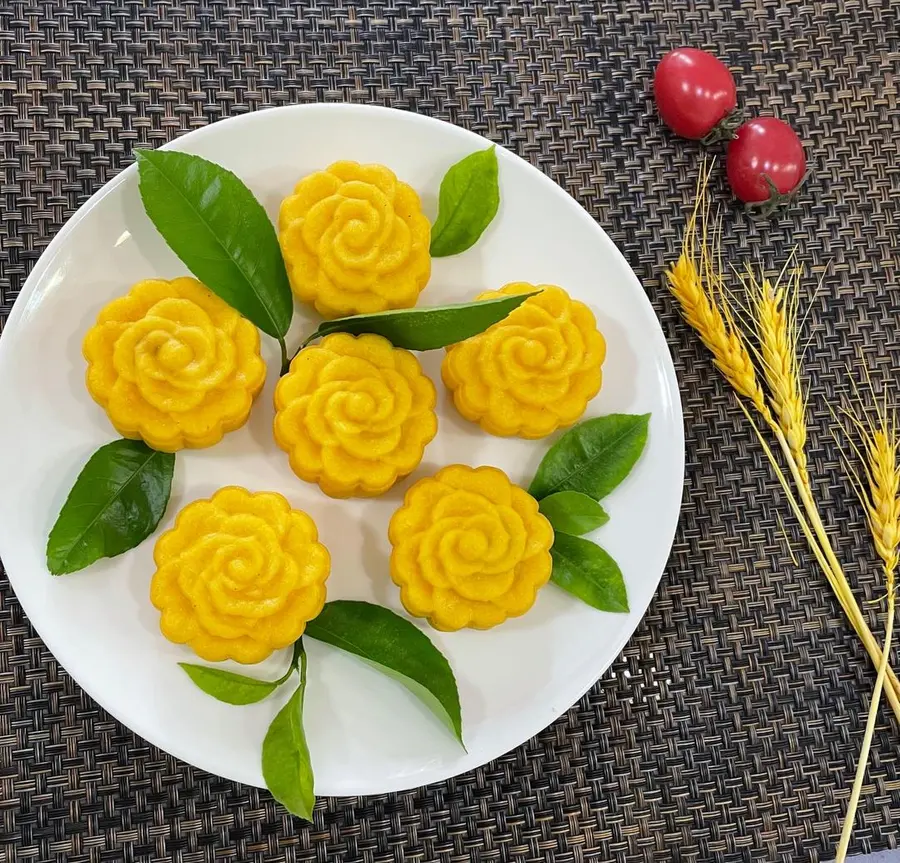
x=867, y=739
x=293, y=666
x=307, y=342
x=315, y=334
x=299, y=650
x=300, y=653
x=285, y=362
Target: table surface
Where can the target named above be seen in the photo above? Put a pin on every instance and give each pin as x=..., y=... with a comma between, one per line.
x=728, y=730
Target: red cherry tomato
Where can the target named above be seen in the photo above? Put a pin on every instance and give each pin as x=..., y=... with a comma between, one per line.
x=694, y=92
x=765, y=162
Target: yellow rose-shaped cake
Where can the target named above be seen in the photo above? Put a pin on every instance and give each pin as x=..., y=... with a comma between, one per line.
x=354, y=414
x=239, y=575
x=173, y=364
x=355, y=240
x=470, y=548
x=531, y=373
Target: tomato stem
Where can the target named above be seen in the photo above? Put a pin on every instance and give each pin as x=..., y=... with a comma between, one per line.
x=725, y=129
x=776, y=199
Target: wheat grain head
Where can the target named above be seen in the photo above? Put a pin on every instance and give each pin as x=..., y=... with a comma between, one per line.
x=696, y=282
x=883, y=505
x=775, y=308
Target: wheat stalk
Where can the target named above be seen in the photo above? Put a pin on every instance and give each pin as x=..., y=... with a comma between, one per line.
x=881, y=498
x=696, y=282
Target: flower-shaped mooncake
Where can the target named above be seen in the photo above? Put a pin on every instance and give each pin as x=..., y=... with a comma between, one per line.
x=531, y=373
x=355, y=240
x=239, y=575
x=470, y=548
x=355, y=414
x=173, y=364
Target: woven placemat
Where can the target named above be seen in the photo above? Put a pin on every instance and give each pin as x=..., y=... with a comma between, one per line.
x=728, y=729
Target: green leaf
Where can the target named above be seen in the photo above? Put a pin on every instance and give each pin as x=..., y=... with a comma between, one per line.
x=573, y=512
x=116, y=503
x=426, y=329
x=286, y=765
x=230, y=687
x=211, y=220
x=468, y=202
x=397, y=648
x=593, y=457
x=585, y=570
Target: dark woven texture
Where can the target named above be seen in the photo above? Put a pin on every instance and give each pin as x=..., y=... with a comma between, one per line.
x=729, y=728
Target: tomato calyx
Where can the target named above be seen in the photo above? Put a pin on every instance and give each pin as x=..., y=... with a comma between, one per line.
x=725, y=129
x=776, y=199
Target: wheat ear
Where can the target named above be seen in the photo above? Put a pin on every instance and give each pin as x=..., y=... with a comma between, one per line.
x=776, y=320
x=695, y=282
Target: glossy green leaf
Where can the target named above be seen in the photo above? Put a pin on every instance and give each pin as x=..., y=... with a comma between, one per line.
x=230, y=687
x=468, y=201
x=397, y=648
x=593, y=457
x=211, y=220
x=573, y=512
x=426, y=329
x=286, y=765
x=117, y=501
x=585, y=570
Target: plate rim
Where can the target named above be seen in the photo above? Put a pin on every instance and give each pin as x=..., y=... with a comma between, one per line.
x=670, y=385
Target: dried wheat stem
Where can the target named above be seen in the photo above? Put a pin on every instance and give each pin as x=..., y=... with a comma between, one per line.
x=882, y=504
x=855, y=792
x=834, y=573
x=814, y=545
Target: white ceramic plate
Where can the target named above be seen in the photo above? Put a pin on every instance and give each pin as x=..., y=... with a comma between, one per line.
x=366, y=733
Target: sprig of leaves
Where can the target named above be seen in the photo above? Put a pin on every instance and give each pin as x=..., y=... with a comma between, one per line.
x=425, y=329
x=286, y=765
x=237, y=688
x=584, y=465
x=117, y=501
x=215, y=225
x=378, y=636
x=468, y=201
